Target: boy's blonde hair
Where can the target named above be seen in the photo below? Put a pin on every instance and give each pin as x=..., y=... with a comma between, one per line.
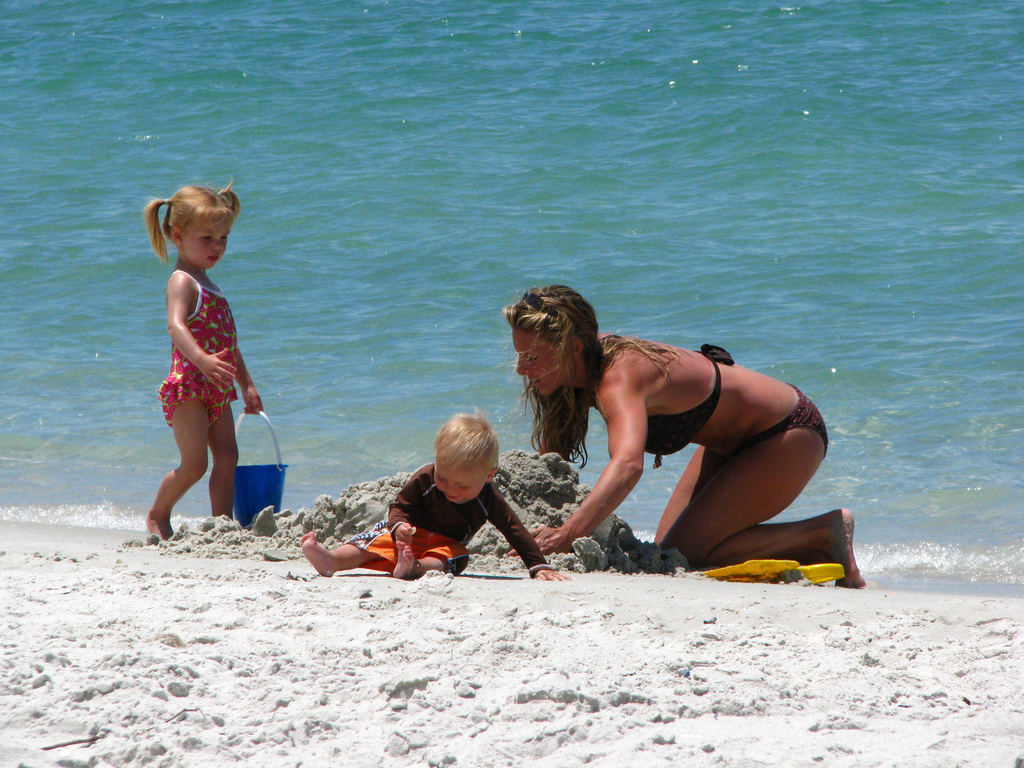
x=185, y=206
x=467, y=441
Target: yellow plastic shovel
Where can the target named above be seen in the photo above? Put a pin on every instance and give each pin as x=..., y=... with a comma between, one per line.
x=772, y=570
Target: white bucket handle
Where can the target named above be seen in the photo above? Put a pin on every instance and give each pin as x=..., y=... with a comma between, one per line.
x=277, y=448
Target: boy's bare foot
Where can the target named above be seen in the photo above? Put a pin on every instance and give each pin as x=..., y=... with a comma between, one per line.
x=161, y=528
x=841, y=536
x=408, y=567
x=318, y=555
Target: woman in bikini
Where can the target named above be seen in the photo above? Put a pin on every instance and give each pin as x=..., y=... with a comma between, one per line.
x=759, y=440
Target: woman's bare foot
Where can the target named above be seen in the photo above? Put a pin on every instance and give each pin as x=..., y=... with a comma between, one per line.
x=841, y=539
x=318, y=555
x=408, y=567
x=161, y=528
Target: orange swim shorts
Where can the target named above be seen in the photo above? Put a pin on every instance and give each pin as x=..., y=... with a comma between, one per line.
x=378, y=542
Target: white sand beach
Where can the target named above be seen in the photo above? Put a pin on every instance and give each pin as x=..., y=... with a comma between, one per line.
x=133, y=656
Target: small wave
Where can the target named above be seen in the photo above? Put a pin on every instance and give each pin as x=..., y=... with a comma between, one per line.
x=1002, y=564
x=80, y=515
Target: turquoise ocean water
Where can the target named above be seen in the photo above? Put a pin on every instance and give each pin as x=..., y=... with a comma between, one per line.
x=831, y=191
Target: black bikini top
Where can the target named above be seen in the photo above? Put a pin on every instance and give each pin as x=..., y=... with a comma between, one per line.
x=669, y=433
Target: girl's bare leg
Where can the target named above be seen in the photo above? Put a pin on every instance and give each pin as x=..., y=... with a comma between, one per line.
x=224, y=449
x=327, y=561
x=716, y=515
x=190, y=433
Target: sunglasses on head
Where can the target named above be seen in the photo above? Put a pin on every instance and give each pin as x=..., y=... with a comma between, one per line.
x=532, y=300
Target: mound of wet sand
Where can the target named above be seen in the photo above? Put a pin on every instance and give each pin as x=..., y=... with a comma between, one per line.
x=542, y=489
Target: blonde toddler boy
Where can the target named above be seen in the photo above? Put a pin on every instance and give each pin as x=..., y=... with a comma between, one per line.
x=437, y=513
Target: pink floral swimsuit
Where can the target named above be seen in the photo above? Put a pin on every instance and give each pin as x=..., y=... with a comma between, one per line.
x=213, y=328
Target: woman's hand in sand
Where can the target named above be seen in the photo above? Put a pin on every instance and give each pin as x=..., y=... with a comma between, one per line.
x=547, y=574
x=553, y=539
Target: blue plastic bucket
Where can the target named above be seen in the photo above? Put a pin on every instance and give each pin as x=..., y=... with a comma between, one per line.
x=258, y=486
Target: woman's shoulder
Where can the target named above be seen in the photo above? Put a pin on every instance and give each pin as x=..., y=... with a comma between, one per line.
x=628, y=352
x=651, y=369
x=633, y=369
x=623, y=343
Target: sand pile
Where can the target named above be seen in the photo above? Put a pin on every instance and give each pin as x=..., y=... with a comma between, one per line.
x=543, y=490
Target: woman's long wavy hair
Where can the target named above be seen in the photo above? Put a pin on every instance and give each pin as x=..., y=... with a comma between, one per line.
x=560, y=316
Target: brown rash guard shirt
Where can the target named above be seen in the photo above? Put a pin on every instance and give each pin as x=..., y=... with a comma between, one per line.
x=422, y=505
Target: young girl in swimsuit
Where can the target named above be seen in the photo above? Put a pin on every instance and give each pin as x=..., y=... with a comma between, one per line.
x=759, y=440
x=205, y=359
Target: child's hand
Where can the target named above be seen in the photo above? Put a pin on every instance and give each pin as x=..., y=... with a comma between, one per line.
x=549, y=575
x=404, y=533
x=252, y=400
x=217, y=369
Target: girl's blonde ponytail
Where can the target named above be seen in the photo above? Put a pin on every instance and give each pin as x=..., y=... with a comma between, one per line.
x=183, y=207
